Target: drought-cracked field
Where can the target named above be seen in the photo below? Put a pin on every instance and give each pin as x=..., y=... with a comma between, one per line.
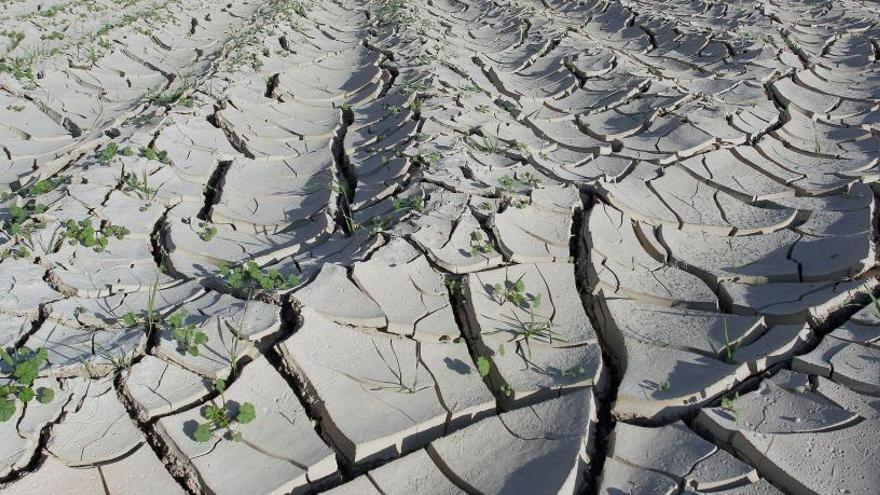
x=439, y=246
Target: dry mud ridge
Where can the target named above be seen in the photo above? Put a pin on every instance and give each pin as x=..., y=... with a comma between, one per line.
x=439, y=246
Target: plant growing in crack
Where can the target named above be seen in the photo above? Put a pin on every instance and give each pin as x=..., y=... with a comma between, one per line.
x=452, y=284
x=484, y=366
x=344, y=193
x=727, y=352
x=151, y=317
x=139, y=184
x=480, y=244
x=188, y=337
x=535, y=327
x=491, y=145
x=84, y=233
x=728, y=404
x=25, y=365
x=430, y=159
x=23, y=219
x=224, y=417
x=206, y=231
x=510, y=184
x=46, y=185
x=245, y=278
x=151, y=153
x=120, y=361
x=513, y=291
x=414, y=202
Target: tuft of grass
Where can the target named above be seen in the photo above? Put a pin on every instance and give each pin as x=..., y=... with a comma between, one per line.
x=728, y=352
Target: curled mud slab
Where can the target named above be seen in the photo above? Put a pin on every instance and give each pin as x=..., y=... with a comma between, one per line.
x=439, y=246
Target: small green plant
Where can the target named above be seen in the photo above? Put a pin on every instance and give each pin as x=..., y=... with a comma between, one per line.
x=875, y=305
x=513, y=291
x=430, y=159
x=84, y=233
x=44, y=186
x=414, y=202
x=130, y=319
x=25, y=365
x=480, y=243
x=509, y=184
x=728, y=405
x=188, y=337
x=453, y=284
x=344, y=193
x=664, y=387
x=223, y=418
x=151, y=153
x=491, y=145
x=151, y=317
x=729, y=350
x=21, y=219
x=108, y=152
x=140, y=185
x=530, y=179
x=535, y=327
x=243, y=279
x=207, y=231
x=484, y=365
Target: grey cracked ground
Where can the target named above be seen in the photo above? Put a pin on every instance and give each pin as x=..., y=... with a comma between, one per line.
x=439, y=246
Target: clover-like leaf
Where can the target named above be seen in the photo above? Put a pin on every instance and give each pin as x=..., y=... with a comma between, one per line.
x=45, y=395
x=7, y=410
x=483, y=365
x=246, y=413
x=202, y=433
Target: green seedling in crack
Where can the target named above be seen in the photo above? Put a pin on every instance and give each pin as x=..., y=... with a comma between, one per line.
x=25, y=365
x=414, y=202
x=188, y=337
x=151, y=318
x=84, y=233
x=243, y=279
x=46, y=185
x=141, y=185
x=509, y=184
x=207, y=231
x=513, y=291
x=727, y=404
x=480, y=244
x=222, y=418
x=491, y=145
x=535, y=327
x=484, y=366
x=728, y=352
x=344, y=193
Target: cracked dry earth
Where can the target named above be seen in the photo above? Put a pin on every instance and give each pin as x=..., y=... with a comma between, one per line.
x=441, y=246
